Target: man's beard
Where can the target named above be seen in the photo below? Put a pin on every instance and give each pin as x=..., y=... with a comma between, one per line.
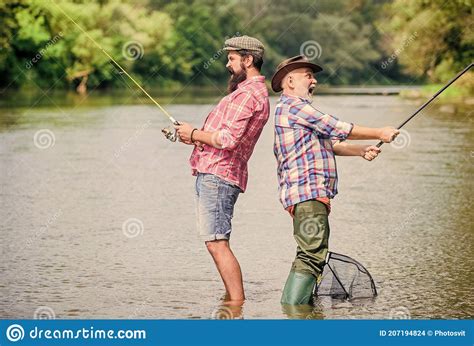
x=236, y=78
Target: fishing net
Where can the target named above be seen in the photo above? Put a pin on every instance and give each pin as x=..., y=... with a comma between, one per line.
x=345, y=278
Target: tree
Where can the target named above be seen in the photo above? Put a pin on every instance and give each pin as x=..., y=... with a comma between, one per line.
x=328, y=32
x=40, y=37
x=432, y=37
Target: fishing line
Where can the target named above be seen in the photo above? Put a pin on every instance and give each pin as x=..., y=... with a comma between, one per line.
x=431, y=99
x=120, y=67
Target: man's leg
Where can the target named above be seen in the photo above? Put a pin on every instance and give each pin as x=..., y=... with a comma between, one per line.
x=216, y=199
x=311, y=232
x=228, y=268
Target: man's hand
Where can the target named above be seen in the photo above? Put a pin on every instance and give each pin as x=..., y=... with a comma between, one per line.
x=370, y=152
x=184, y=132
x=184, y=135
x=388, y=134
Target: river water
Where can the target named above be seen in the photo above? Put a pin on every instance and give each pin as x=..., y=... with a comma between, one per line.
x=97, y=217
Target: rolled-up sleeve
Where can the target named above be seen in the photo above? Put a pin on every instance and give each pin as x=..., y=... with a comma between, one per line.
x=325, y=124
x=239, y=112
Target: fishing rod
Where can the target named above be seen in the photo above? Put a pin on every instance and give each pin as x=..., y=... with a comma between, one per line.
x=169, y=134
x=379, y=144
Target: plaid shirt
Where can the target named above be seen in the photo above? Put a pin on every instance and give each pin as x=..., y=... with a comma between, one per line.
x=304, y=151
x=238, y=119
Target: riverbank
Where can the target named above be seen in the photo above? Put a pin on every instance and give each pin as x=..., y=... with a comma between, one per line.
x=461, y=92
x=171, y=95
x=455, y=94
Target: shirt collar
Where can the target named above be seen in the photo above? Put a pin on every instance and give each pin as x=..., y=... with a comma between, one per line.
x=255, y=79
x=285, y=97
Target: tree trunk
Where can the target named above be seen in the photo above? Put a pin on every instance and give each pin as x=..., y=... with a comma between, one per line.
x=84, y=75
x=82, y=87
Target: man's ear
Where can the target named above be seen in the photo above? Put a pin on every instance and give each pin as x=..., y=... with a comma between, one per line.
x=248, y=61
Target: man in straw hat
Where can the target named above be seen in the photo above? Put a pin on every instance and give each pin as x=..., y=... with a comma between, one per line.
x=223, y=147
x=306, y=141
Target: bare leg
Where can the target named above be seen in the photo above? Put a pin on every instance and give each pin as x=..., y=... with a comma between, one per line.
x=228, y=267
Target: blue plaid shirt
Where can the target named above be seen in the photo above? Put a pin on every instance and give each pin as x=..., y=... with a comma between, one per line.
x=303, y=147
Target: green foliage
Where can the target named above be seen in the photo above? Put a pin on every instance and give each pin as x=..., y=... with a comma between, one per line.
x=444, y=41
x=180, y=42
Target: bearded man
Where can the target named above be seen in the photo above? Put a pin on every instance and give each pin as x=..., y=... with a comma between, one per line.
x=223, y=147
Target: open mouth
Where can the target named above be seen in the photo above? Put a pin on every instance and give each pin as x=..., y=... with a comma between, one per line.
x=311, y=88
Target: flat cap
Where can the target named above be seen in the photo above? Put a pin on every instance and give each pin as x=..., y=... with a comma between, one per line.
x=245, y=43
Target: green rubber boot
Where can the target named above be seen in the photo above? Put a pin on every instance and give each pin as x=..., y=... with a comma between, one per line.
x=298, y=289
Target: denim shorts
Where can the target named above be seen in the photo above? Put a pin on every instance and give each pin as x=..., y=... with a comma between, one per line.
x=215, y=200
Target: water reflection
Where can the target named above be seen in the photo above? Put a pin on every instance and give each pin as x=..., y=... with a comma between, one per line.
x=229, y=309
x=302, y=312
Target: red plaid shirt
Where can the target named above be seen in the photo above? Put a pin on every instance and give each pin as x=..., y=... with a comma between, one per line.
x=238, y=120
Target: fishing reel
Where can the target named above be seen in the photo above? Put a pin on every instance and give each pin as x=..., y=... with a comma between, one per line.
x=170, y=133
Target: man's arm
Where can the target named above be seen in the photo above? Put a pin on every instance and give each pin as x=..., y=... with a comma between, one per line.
x=385, y=134
x=202, y=137
x=368, y=152
x=209, y=138
x=239, y=112
x=329, y=125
